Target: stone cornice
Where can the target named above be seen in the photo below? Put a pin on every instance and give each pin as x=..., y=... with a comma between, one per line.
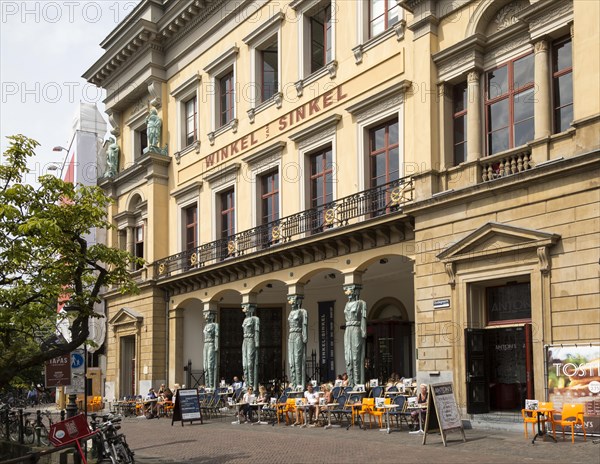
x=329, y=121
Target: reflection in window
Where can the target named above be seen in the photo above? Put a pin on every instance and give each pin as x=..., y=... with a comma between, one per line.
x=459, y=110
x=269, y=71
x=509, y=102
x=383, y=14
x=320, y=39
x=562, y=84
x=191, y=118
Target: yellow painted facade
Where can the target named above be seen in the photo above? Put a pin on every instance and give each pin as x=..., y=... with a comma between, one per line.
x=441, y=230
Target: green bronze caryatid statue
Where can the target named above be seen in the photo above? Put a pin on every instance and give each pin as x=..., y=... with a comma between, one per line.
x=112, y=158
x=251, y=331
x=298, y=322
x=153, y=132
x=355, y=336
x=211, y=347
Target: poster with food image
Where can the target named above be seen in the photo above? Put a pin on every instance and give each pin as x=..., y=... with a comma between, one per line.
x=574, y=377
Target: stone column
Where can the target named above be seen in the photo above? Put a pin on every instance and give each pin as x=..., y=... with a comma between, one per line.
x=542, y=100
x=474, y=126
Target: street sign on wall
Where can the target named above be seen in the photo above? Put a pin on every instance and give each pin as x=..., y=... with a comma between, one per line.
x=58, y=371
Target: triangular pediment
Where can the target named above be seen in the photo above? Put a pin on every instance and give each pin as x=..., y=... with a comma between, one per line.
x=126, y=316
x=493, y=239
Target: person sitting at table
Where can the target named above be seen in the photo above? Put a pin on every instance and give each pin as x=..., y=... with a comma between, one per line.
x=312, y=400
x=344, y=379
x=324, y=399
x=236, y=383
x=246, y=411
x=422, y=401
x=150, y=405
x=263, y=396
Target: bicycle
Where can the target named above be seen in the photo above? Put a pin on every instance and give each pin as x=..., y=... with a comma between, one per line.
x=110, y=445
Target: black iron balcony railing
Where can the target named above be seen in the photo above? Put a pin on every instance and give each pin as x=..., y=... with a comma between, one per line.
x=378, y=201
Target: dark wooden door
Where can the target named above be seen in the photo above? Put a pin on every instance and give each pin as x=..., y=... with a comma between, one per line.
x=477, y=362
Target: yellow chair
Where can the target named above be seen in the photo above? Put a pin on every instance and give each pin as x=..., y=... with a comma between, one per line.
x=366, y=405
x=571, y=415
x=286, y=407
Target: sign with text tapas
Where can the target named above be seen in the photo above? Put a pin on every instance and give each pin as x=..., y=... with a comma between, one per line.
x=58, y=371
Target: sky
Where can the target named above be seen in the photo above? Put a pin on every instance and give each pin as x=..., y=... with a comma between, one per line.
x=45, y=47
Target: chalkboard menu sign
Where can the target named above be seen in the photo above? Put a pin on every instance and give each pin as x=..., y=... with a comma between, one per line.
x=442, y=411
x=187, y=406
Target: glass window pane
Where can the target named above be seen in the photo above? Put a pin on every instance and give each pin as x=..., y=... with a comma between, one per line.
x=377, y=26
x=393, y=133
x=378, y=139
x=377, y=8
x=393, y=13
x=563, y=90
x=460, y=129
x=460, y=97
x=497, y=82
x=498, y=141
x=523, y=132
x=563, y=57
x=563, y=118
x=394, y=165
x=523, y=105
x=498, y=115
x=460, y=153
x=523, y=71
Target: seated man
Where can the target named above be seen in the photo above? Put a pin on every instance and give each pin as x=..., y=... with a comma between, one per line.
x=150, y=404
x=312, y=400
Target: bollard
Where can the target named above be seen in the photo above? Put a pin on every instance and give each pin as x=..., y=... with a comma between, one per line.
x=38, y=426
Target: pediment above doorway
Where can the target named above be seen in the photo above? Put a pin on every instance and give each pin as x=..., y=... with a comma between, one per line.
x=495, y=239
x=125, y=316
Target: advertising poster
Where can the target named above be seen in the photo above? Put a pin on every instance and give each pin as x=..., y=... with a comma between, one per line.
x=574, y=377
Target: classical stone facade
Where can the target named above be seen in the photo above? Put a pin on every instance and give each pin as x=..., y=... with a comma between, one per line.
x=443, y=155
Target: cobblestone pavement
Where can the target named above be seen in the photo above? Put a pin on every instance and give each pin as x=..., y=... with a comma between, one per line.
x=220, y=441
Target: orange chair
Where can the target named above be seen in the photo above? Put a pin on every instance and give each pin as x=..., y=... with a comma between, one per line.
x=571, y=415
x=366, y=405
x=378, y=413
x=286, y=408
x=530, y=417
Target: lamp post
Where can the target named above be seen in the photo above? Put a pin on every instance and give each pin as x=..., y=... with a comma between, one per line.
x=55, y=166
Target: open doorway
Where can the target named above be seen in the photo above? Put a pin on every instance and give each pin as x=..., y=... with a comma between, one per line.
x=127, y=368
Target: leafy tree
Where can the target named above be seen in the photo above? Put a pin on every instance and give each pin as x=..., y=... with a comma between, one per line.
x=45, y=255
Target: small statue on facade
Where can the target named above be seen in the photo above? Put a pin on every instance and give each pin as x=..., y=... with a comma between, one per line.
x=153, y=132
x=112, y=158
x=355, y=313
x=251, y=331
x=211, y=347
x=298, y=336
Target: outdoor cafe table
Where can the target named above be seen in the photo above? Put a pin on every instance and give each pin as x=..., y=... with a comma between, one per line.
x=547, y=413
x=420, y=408
x=387, y=408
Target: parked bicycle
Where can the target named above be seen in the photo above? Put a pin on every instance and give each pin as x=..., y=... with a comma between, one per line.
x=110, y=445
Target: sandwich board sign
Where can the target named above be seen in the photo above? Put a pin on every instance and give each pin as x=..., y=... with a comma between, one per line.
x=442, y=412
x=187, y=406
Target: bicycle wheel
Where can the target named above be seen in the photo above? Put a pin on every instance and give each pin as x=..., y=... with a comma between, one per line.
x=29, y=434
x=124, y=453
x=13, y=431
x=44, y=440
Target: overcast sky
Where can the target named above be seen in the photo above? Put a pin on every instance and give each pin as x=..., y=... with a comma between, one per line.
x=45, y=47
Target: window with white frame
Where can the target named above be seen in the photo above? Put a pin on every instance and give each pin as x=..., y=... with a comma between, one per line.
x=223, y=96
x=383, y=14
x=265, y=61
x=186, y=96
x=316, y=35
x=562, y=84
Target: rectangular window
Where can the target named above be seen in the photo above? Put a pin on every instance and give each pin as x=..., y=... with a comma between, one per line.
x=321, y=187
x=509, y=101
x=562, y=84
x=191, y=227
x=459, y=122
x=138, y=249
x=269, y=197
x=384, y=153
x=226, y=98
x=269, y=71
x=141, y=142
x=227, y=213
x=191, y=121
x=508, y=303
x=320, y=39
x=383, y=14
